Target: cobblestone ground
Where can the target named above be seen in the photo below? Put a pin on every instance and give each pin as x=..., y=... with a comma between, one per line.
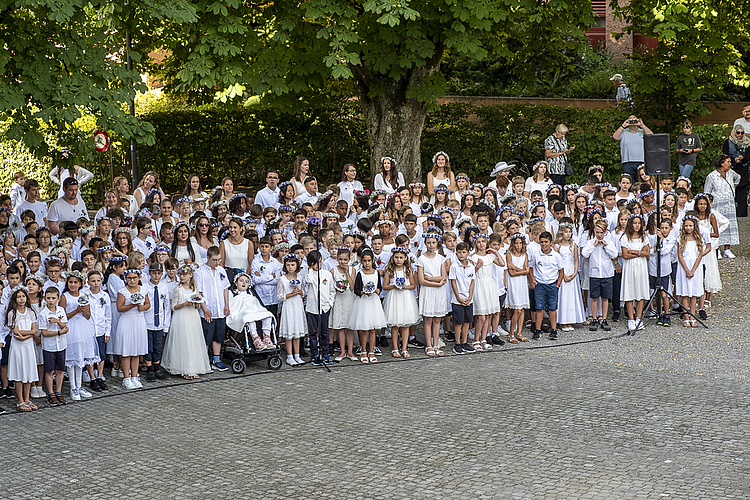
x=659, y=415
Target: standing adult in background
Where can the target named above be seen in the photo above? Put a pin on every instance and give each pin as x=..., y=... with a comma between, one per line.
x=721, y=183
x=623, y=92
x=67, y=208
x=122, y=188
x=688, y=146
x=349, y=183
x=148, y=182
x=390, y=179
x=630, y=134
x=59, y=174
x=737, y=147
x=269, y=195
x=301, y=172
x=745, y=119
x=501, y=170
x=556, y=151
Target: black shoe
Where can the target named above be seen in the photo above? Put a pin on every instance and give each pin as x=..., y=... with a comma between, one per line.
x=415, y=343
x=451, y=337
x=553, y=335
x=94, y=385
x=303, y=352
x=594, y=326
x=616, y=316
x=537, y=334
x=160, y=375
x=150, y=375
x=468, y=348
x=605, y=326
x=457, y=349
x=497, y=340
x=384, y=341
x=702, y=314
x=660, y=321
x=8, y=392
x=667, y=321
x=2, y=393
x=335, y=346
x=2, y=410
x=546, y=329
x=102, y=385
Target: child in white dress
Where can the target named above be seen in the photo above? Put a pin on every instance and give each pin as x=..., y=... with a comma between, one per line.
x=367, y=312
x=570, y=309
x=82, y=349
x=690, y=252
x=635, y=253
x=245, y=310
x=131, y=341
x=293, y=325
x=518, y=286
x=486, y=297
x=21, y=321
x=400, y=307
x=338, y=321
x=433, y=303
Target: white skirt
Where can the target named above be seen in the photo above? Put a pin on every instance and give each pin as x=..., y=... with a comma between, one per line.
x=185, y=350
x=367, y=314
x=22, y=361
x=400, y=308
x=570, y=303
x=486, y=297
x=433, y=302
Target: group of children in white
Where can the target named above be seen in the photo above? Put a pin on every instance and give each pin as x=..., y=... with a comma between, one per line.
x=476, y=262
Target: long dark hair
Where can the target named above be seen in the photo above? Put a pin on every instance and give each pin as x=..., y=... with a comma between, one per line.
x=12, y=305
x=110, y=270
x=190, y=250
x=186, y=191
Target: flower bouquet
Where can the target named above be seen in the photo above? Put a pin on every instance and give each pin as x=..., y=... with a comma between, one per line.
x=341, y=285
x=369, y=288
x=400, y=283
x=137, y=298
x=83, y=300
x=295, y=283
x=197, y=297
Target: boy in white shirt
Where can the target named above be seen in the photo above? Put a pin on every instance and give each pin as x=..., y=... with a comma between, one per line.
x=212, y=280
x=158, y=319
x=546, y=271
x=101, y=314
x=266, y=271
x=53, y=323
x=317, y=307
x=601, y=250
x=461, y=276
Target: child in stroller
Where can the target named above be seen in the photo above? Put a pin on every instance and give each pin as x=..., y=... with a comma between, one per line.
x=245, y=310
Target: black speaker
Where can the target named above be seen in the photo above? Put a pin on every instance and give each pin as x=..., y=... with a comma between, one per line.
x=657, y=149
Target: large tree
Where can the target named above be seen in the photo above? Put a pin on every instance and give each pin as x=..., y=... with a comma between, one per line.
x=284, y=50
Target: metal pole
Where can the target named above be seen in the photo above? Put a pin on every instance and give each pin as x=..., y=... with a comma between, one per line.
x=133, y=148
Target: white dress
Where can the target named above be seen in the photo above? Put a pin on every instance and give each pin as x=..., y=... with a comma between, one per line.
x=367, y=312
x=634, y=273
x=486, y=296
x=132, y=336
x=689, y=287
x=400, y=305
x=244, y=308
x=114, y=285
x=712, y=282
x=82, y=348
x=185, y=350
x=38, y=347
x=517, y=286
x=342, y=303
x=433, y=302
x=569, y=301
x=293, y=318
x=235, y=256
x=22, y=356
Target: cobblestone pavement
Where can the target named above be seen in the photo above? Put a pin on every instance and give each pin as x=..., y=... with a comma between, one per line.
x=659, y=415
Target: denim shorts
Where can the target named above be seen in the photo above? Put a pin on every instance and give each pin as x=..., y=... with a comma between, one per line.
x=462, y=314
x=545, y=296
x=600, y=288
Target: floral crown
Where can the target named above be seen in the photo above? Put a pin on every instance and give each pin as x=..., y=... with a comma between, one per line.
x=487, y=203
x=539, y=163
x=403, y=250
x=632, y=216
x=596, y=168
x=39, y=280
x=313, y=221
x=103, y=217
x=250, y=220
x=644, y=194
x=235, y=196
x=534, y=220
x=426, y=207
x=275, y=231
x=325, y=195
x=121, y=230
x=117, y=258
x=364, y=192
x=417, y=184
x=479, y=235
x=86, y=230
x=144, y=212
x=76, y=274
x=385, y=221
x=328, y=215
x=19, y=288
x=392, y=196
x=447, y=210
x=63, y=241
x=435, y=156
x=184, y=199
x=553, y=186
x=393, y=161
x=218, y=204
x=16, y=260
x=132, y=270
x=441, y=188
x=284, y=208
x=603, y=185
x=573, y=187
x=431, y=234
x=180, y=224
x=290, y=256
x=464, y=177
x=516, y=236
x=359, y=234
x=517, y=213
x=285, y=184
x=511, y=220
x=239, y=275
x=104, y=248
x=537, y=204
x=59, y=250
x=689, y=182
x=186, y=269
x=163, y=248
x=690, y=217
x=463, y=220
x=282, y=245
x=374, y=194
x=701, y=195
x=477, y=185
x=566, y=225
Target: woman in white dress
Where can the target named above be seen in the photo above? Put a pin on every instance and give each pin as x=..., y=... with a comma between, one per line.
x=183, y=248
x=121, y=187
x=390, y=179
x=441, y=173
x=349, y=184
x=301, y=172
x=539, y=180
x=148, y=182
x=185, y=349
x=21, y=321
x=635, y=254
x=570, y=303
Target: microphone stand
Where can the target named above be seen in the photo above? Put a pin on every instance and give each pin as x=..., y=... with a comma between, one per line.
x=314, y=227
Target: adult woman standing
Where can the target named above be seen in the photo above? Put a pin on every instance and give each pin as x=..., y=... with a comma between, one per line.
x=184, y=249
x=349, y=183
x=737, y=147
x=539, y=180
x=721, y=183
x=202, y=236
x=301, y=172
x=236, y=251
x=441, y=173
x=111, y=200
x=390, y=178
x=193, y=186
x=148, y=182
x=556, y=151
x=122, y=188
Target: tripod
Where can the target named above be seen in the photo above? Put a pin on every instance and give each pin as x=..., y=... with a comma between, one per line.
x=658, y=289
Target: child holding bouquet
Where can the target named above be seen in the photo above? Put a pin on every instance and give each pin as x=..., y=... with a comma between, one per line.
x=400, y=307
x=131, y=340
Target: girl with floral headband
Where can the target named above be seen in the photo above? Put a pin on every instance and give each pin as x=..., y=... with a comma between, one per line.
x=635, y=286
x=691, y=250
x=82, y=350
x=21, y=321
x=293, y=324
x=486, y=293
x=539, y=180
x=441, y=173
x=131, y=340
x=433, y=300
x=389, y=179
x=400, y=306
x=9, y=245
x=462, y=186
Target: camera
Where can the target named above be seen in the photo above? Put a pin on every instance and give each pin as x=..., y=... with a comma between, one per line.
x=632, y=121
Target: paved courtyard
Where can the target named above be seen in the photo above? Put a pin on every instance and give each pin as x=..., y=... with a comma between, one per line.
x=659, y=415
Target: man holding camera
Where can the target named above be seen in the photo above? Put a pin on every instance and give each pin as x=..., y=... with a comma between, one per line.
x=630, y=134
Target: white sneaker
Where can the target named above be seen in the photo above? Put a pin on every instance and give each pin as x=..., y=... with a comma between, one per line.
x=120, y=374
x=501, y=332
x=128, y=383
x=290, y=361
x=507, y=326
x=631, y=325
x=74, y=395
x=718, y=255
x=85, y=377
x=640, y=324
x=298, y=359
x=114, y=372
x=441, y=344
x=728, y=254
x=137, y=383
x=470, y=335
x=39, y=392
x=84, y=392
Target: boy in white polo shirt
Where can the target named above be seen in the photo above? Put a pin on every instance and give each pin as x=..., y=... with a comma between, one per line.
x=212, y=280
x=461, y=276
x=546, y=267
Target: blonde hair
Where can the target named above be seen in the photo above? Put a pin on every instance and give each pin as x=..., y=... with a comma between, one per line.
x=135, y=259
x=696, y=234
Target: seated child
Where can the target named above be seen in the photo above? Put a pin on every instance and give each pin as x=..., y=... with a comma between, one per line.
x=245, y=309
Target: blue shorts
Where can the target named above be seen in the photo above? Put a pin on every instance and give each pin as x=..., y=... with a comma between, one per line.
x=215, y=330
x=652, y=280
x=545, y=296
x=600, y=288
x=462, y=314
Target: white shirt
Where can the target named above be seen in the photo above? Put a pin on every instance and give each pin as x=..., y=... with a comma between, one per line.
x=347, y=189
x=306, y=197
x=61, y=210
x=55, y=343
x=38, y=207
x=463, y=276
x=328, y=291
x=381, y=184
x=546, y=266
x=101, y=314
x=266, y=279
x=212, y=282
x=600, y=257
x=268, y=198
x=165, y=306
x=17, y=194
x=146, y=247
x=745, y=124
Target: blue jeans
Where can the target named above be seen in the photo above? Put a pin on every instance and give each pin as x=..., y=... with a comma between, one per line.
x=313, y=322
x=631, y=168
x=686, y=170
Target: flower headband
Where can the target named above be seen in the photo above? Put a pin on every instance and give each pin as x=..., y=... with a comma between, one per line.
x=479, y=235
x=426, y=208
x=180, y=224
x=122, y=230
x=117, y=258
x=463, y=220
x=602, y=185
x=553, y=186
x=19, y=288
x=234, y=197
x=393, y=162
x=487, y=203
x=385, y=221
x=76, y=274
x=537, y=204
x=596, y=168
x=359, y=234
x=376, y=193
x=441, y=188
x=285, y=184
x=364, y=192
x=516, y=236
x=184, y=199
x=34, y=277
x=463, y=177
x=217, y=204
x=58, y=250
x=163, y=248
x=435, y=156
x=511, y=220
x=329, y=215
x=290, y=256
x=400, y=249
x=650, y=192
x=282, y=245
x=700, y=195
x=631, y=216
x=689, y=182
x=185, y=269
x=53, y=258
x=534, y=220
x=239, y=275
x=416, y=184
x=145, y=212
x=86, y=230
x=566, y=225
x=572, y=187
x=63, y=241
x=16, y=260
x=132, y=270
x=540, y=163
x=690, y=217
x=477, y=185
x=432, y=235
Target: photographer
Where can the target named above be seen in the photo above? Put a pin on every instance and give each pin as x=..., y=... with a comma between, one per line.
x=630, y=134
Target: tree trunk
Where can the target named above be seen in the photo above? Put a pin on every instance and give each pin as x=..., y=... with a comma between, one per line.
x=394, y=122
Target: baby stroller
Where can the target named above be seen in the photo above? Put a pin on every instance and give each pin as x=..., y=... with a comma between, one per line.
x=246, y=310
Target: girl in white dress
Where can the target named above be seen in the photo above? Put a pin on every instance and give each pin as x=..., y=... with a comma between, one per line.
x=707, y=220
x=82, y=348
x=690, y=252
x=114, y=278
x=132, y=337
x=517, y=286
x=185, y=349
x=293, y=324
x=635, y=253
x=433, y=301
x=400, y=307
x=338, y=321
x=486, y=296
x=21, y=321
x=367, y=313
x=570, y=302
x=245, y=310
